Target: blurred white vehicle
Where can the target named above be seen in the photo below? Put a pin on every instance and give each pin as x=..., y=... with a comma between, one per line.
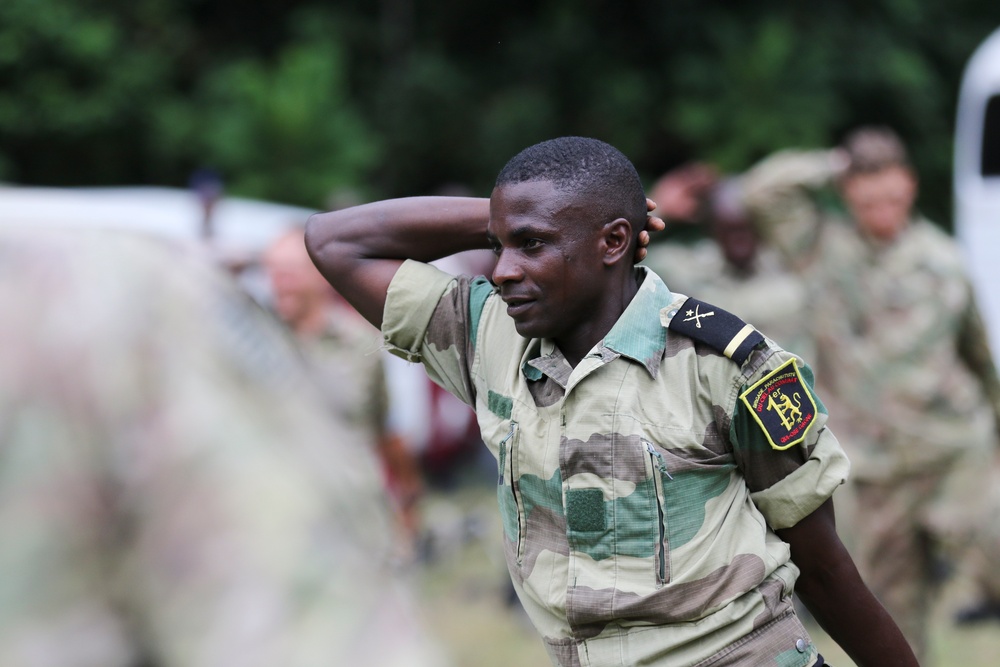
x=233, y=230
x=238, y=227
x=977, y=177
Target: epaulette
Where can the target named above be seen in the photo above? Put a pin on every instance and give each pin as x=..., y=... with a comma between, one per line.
x=717, y=328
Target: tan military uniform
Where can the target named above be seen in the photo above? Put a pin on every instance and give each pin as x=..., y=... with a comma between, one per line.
x=346, y=362
x=346, y=359
x=773, y=299
x=171, y=491
x=913, y=390
x=638, y=490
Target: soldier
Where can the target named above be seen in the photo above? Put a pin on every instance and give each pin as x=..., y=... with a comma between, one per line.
x=343, y=354
x=732, y=268
x=902, y=351
x=655, y=510
x=173, y=494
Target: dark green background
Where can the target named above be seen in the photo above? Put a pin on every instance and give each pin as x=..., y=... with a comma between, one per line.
x=294, y=100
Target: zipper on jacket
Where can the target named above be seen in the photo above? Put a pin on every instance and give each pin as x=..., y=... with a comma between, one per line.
x=506, y=458
x=659, y=469
x=512, y=459
x=503, y=451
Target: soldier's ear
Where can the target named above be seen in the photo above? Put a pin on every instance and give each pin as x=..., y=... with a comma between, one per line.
x=616, y=237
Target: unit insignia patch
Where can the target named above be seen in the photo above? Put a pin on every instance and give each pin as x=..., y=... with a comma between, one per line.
x=782, y=405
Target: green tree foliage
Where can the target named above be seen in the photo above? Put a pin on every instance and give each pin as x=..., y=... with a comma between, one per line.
x=802, y=74
x=294, y=99
x=131, y=91
x=281, y=129
x=76, y=84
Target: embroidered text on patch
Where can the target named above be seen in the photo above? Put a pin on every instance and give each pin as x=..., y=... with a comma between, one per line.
x=782, y=405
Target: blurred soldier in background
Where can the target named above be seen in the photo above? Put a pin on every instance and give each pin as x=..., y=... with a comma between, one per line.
x=171, y=492
x=731, y=268
x=902, y=354
x=343, y=352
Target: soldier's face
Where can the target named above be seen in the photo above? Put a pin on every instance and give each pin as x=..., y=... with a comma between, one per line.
x=296, y=286
x=736, y=238
x=548, y=267
x=881, y=201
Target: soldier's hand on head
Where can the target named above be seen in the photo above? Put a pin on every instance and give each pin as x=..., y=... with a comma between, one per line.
x=679, y=191
x=653, y=224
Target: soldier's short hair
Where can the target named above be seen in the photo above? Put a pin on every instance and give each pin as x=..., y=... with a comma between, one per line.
x=585, y=166
x=874, y=148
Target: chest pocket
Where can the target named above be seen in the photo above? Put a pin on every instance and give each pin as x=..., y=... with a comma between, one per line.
x=635, y=522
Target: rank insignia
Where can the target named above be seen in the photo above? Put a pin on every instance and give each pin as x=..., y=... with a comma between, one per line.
x=782, y=405
x=717, y=328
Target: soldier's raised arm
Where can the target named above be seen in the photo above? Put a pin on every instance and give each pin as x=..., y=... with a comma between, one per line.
x=359, y=249
x=778, y=193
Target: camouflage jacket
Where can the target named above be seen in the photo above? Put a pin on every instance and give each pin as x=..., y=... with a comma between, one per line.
x=638, y=493
x=902, y=348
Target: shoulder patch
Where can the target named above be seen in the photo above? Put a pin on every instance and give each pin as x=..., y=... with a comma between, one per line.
x=717, y=328
x=782, y=405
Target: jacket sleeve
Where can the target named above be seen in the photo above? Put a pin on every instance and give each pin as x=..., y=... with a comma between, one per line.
x=791, y=461
x=778, y=192
x=432, y=317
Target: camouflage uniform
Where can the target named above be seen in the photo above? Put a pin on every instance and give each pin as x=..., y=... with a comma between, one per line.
x=171, y=492
x=903, y=352
x=347, y=362
x=637, y=493
x=764, y=297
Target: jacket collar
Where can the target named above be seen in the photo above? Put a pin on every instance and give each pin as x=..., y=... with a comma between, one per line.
x=638, y=334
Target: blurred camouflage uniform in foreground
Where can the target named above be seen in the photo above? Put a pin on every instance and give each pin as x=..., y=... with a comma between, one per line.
x=171, y=493
x=904, y=360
